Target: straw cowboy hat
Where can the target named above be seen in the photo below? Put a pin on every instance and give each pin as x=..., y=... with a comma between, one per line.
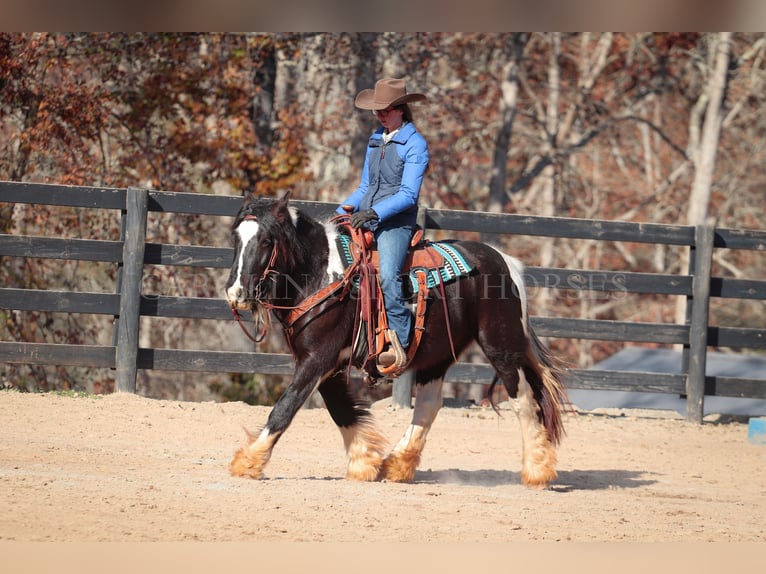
x=388, y=92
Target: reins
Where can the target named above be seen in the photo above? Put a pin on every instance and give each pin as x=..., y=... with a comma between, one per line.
x=255, y=339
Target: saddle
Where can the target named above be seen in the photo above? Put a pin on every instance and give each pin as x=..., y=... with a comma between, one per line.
x=428, y=265
x=371, y=325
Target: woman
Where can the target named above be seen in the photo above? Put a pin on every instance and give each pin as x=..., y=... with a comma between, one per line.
x=386, y=200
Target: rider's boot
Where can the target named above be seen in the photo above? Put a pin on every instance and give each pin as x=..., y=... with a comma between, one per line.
x=393, y=354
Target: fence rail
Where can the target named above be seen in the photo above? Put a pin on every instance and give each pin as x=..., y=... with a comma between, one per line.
x=127, y=304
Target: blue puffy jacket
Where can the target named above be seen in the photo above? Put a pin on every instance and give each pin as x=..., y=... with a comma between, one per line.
x=391, y=177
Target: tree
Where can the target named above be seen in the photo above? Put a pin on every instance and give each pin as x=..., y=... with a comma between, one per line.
x=703, y=148
x=166, y=111
x=704, y=140
x=509, y=91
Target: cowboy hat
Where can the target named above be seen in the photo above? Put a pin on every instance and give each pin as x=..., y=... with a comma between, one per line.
x=388, y=92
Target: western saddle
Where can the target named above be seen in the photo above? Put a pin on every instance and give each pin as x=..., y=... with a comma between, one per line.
x=372, y=334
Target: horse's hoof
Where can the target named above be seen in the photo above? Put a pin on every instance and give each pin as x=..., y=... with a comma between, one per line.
x=363, y=474
x=400, y=466
x=245, y=466
x=538, y=480
x=365, y=449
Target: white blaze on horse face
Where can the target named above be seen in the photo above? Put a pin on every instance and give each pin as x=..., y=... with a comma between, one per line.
x=246, y=231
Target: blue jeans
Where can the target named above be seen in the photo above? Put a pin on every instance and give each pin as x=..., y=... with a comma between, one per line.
x=392, y=245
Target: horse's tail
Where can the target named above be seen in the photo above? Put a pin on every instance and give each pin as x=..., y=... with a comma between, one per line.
x=546, y=376
x=544, y=372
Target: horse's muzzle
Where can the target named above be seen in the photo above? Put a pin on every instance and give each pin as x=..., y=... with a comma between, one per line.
x=235, y=295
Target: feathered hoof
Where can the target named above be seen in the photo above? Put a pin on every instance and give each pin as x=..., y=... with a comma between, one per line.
x=539, y=479
x=365, y=453
x=246, y=465
x=400, y=466
x=363, y=472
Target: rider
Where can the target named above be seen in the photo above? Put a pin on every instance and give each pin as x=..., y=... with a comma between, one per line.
x=386, y=200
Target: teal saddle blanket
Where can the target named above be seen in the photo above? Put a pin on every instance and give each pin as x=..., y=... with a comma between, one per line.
x=454, y=263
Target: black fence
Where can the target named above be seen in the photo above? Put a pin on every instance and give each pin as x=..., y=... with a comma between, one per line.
x=127, y=304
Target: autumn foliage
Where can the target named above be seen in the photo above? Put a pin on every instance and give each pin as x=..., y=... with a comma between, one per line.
x=588, y=125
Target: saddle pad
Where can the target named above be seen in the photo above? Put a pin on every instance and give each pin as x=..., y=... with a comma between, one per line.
x=453, y=265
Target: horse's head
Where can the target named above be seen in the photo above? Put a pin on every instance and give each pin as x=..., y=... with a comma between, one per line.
x=263, y=236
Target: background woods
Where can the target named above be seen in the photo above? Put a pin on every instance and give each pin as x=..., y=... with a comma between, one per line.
x=643, y=127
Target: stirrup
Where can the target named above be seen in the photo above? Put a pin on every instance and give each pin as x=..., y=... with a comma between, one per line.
x=400, y=356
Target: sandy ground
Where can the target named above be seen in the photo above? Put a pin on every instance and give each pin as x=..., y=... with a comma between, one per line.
x=127, y=468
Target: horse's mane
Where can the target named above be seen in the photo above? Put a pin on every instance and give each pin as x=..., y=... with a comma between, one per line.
x=293, y=231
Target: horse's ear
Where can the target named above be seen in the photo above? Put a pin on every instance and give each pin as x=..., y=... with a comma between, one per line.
x=280, y=211
x=249, y=198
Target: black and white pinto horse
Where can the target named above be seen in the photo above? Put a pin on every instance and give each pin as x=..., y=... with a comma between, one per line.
x=283, y=256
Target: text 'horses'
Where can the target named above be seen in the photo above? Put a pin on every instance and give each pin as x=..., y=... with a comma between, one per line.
x=283, y=258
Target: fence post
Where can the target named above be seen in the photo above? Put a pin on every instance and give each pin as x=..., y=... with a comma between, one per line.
x=136, y=203
x=401, y=395
x=695, y=376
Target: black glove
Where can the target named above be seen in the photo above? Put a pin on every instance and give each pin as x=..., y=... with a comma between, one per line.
x=359, y=218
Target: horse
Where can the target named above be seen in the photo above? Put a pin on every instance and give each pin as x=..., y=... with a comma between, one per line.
x=284, y=257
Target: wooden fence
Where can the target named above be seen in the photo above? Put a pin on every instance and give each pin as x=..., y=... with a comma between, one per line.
x=132, y=252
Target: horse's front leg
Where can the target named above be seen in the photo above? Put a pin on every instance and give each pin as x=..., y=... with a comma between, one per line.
x=251, y=459
x=401, y=463
x=365, y=446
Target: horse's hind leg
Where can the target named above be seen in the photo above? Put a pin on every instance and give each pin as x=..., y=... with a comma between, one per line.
x=401, y=463
x=539, y=454
x=538, y=458
x=365, y=446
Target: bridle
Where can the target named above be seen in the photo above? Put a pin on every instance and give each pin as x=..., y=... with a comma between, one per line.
x=263, y=306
